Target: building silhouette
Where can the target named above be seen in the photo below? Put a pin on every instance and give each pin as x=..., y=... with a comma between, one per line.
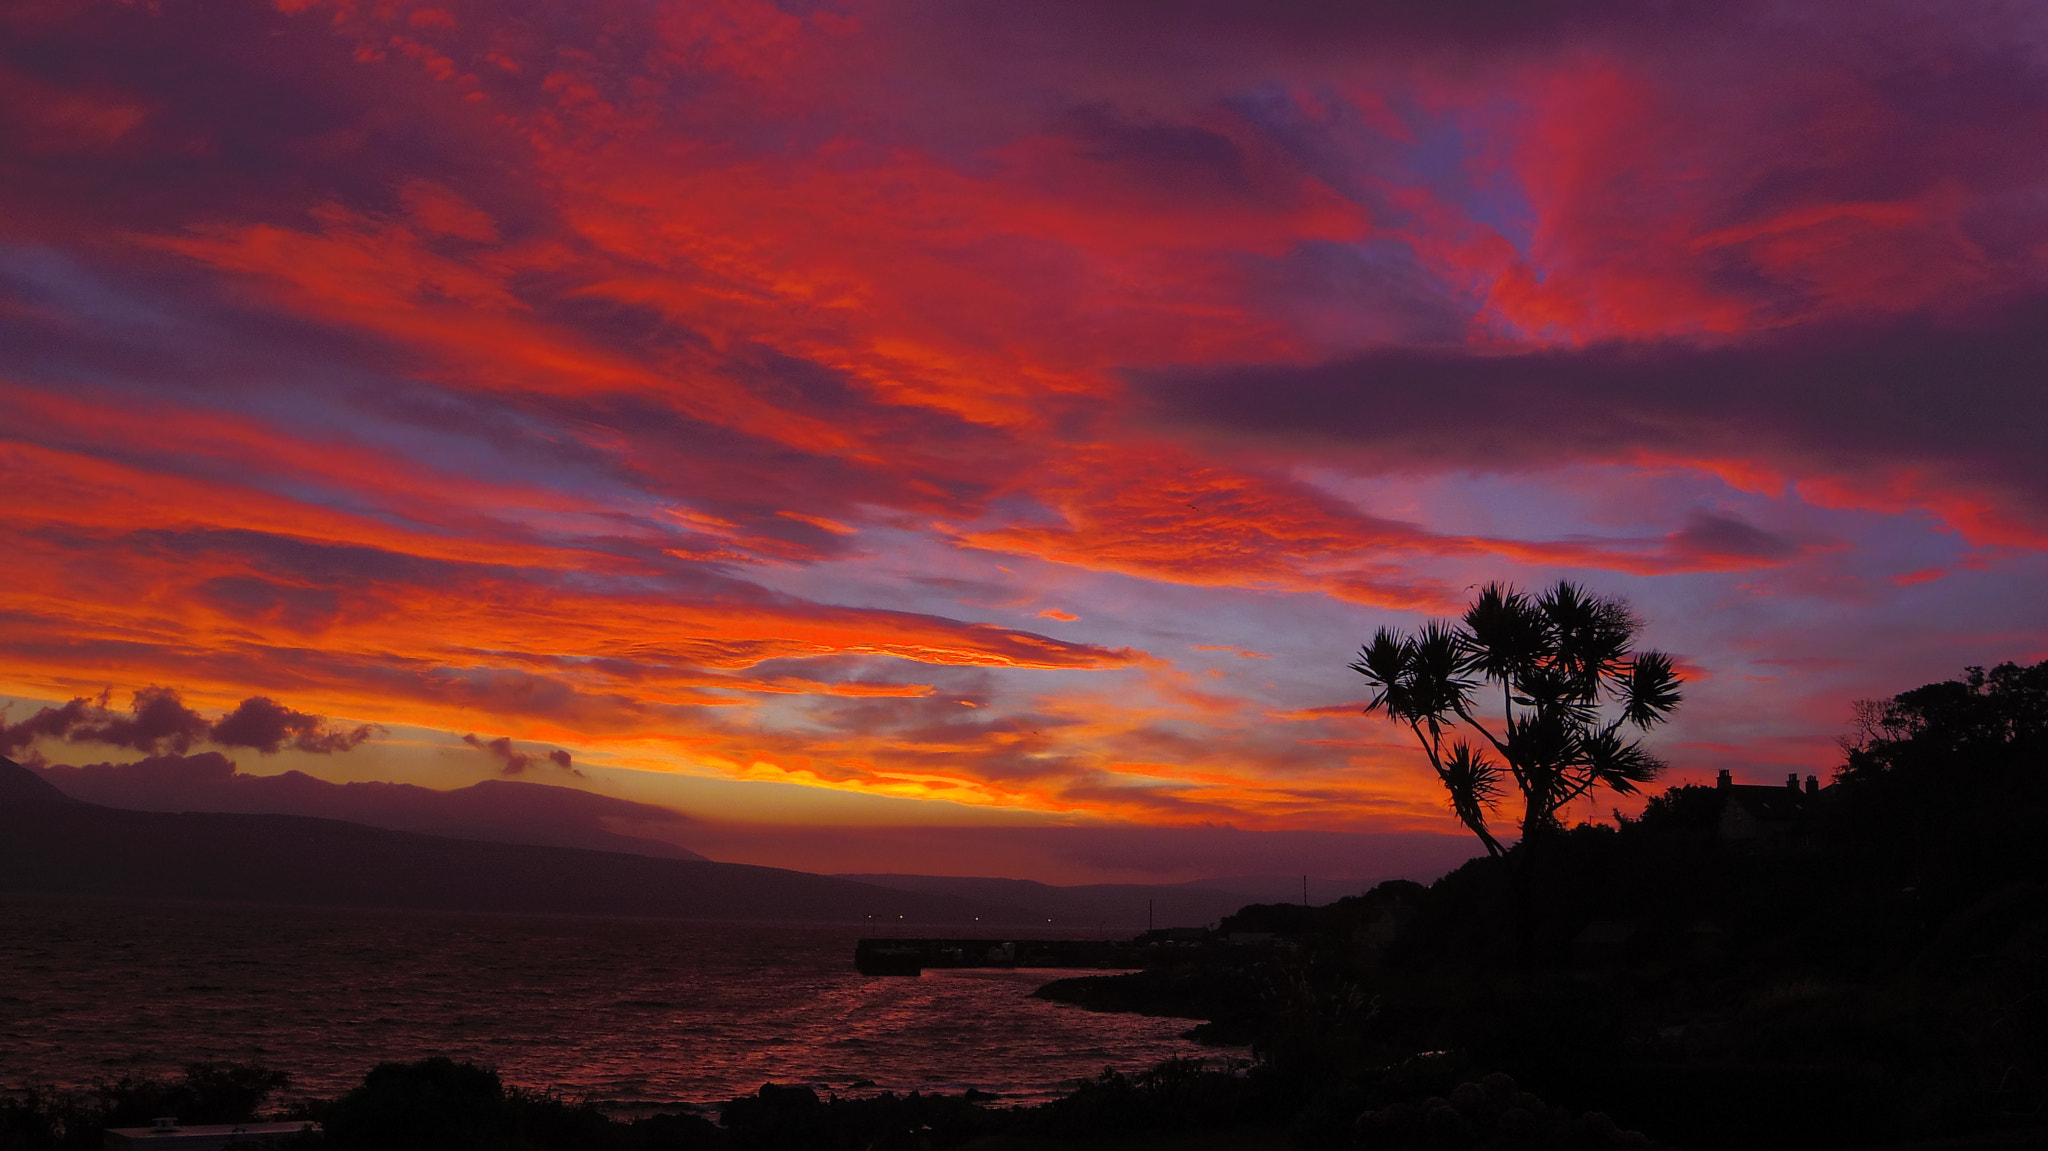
x=1763, y=816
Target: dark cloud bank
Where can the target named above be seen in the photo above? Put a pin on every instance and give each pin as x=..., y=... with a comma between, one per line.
x=1960, y=400
x=158, y=722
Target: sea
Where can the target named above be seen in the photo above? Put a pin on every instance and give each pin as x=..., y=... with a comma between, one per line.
x=632, y=1015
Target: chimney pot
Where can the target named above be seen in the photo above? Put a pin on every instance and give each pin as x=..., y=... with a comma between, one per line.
x=1724, y=781
x=1812, y=785
x=1792, y=781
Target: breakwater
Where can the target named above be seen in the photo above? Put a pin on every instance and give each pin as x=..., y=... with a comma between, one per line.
x=912, y=956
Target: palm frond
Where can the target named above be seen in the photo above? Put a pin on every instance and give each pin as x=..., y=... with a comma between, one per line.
x=1618, y=763
x=1473, y=781
x=1592, y=634
x=1386, y=665
x=1437, y=661
x=1649, y=693
x=1505, y=633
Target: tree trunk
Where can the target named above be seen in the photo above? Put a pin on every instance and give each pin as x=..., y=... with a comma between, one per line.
x=1522, y=881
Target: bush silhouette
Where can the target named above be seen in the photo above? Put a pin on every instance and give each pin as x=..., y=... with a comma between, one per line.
x=66, y=1120
x=433, y=1105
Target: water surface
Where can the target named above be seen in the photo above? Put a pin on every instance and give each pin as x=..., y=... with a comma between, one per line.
x=624, y=1012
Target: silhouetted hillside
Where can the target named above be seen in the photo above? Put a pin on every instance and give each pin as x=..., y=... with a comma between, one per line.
x=51, y=843
x=502, y=811
x=1757, y=966
x=19, y=786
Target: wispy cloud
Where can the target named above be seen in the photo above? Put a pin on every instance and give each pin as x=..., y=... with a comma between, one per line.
x=940, y=404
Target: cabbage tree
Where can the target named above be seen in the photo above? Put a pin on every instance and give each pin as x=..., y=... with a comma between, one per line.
x=1572, y=695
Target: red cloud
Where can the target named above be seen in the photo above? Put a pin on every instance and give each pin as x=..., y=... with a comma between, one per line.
x=640, y=397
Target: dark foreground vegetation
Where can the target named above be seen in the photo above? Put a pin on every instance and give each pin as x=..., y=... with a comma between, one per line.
x=1858, y=965
x=441, y=1105
x=1862, y=965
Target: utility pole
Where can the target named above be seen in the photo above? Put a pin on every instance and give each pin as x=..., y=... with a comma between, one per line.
x=1148, y=915
x=1304, y=891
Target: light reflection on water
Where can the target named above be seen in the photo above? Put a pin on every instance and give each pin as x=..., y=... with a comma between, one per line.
x=619, y=1011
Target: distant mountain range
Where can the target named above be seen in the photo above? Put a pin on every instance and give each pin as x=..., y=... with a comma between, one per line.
x=535, y=814
x=498, y=846
x=52, y=843
x=498, y=810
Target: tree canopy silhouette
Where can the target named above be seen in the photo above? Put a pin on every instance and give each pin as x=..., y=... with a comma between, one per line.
x=1559, y=658
x=1948, y=782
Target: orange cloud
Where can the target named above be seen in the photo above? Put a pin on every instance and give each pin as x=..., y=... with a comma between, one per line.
x=720, y=387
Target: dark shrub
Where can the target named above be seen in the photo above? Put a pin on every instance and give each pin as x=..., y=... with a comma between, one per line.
x=432, y=1105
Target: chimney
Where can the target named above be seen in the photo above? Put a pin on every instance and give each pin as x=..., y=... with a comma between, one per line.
x=1812, y=785
x=1722, y=781
x=1792, y=781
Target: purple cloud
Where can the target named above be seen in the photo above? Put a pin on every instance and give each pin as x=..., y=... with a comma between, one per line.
x=269, y=727
x=514, y=761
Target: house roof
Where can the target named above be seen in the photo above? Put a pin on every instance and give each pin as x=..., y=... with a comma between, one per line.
x=1772, y=802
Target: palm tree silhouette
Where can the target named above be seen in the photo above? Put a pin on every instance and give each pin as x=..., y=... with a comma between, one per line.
x=1554, y=656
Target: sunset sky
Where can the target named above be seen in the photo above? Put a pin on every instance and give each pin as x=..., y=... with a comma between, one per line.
x=868, y=425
